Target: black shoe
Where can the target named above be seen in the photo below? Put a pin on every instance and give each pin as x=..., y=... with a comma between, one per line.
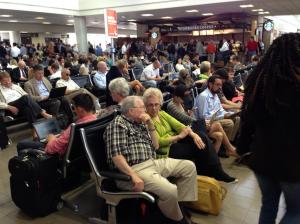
x=226, y=178
x=244, y=159
x=222, y=153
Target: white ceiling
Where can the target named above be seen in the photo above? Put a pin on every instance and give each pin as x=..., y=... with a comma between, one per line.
x=132, y=10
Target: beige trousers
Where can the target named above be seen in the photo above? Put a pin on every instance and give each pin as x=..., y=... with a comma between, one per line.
x=154, y=173
x=230, y=126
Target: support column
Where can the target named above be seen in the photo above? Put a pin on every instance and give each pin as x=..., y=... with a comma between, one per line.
x=14, y=37
x=260, y=30
x=253, y=27
x=81, y=33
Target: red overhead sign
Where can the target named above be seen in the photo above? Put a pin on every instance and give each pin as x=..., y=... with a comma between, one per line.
x=111, y=23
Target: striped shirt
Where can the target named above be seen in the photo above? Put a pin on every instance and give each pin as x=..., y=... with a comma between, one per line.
x=130, y=139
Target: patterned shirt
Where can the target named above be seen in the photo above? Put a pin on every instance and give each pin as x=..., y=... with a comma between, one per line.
x=130, y=139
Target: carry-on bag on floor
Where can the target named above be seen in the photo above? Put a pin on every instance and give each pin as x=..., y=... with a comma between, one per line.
x=3, y=135
x=210, y=196
x=35, y=182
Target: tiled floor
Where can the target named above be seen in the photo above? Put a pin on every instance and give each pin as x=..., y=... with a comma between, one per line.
x=241, y=205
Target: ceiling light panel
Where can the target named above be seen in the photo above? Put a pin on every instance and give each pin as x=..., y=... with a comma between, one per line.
x=147, y=15
x=192, y=10
x=257, y=10
x=262, y=13
x=247, y=6
x=207, y=14
x=39, y=17
x=6, y=16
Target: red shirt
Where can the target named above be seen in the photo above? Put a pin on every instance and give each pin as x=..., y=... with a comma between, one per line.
x=252, y=45
x=211, y=48
x=59, y=145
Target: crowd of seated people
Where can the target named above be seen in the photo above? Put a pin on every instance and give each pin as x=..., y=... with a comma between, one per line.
x=143, y=140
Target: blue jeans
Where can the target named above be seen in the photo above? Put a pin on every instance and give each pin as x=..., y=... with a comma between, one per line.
x=271, y=190
x=29, y=144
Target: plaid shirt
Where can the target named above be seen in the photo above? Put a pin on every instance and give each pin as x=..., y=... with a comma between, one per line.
x=130, y=139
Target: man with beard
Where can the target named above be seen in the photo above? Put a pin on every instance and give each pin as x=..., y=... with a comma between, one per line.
x=208, y=104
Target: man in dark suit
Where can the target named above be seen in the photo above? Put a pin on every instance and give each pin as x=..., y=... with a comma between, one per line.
x=20, y=74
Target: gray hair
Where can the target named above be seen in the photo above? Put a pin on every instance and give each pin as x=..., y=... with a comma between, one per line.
x=150, y=92
x=119, y=86
x=205, y=66
x=128, y=103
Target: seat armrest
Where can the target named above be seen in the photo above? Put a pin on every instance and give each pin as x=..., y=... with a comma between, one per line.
x=115, y=175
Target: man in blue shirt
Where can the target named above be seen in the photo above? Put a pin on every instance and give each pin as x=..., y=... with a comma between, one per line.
x=39, y=89
x=208, y=106
x=100, y=76
x=99, y=51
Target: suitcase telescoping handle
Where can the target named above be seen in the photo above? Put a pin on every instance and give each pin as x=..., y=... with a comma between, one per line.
x=34, y=152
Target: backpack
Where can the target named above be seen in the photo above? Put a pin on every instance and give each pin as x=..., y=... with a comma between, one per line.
x=210, y=196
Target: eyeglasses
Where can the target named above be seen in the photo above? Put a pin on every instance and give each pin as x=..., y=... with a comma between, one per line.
x=142, y=107
x=153, y=105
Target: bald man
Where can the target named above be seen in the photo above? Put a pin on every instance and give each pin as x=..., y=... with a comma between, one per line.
x=20, y=74
x=100, y=76
x=73, y=89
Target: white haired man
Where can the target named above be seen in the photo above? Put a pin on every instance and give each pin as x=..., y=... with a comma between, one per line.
x=131, y=142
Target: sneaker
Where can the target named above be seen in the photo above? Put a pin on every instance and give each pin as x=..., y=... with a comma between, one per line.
x=231, y=180
x=8, y=118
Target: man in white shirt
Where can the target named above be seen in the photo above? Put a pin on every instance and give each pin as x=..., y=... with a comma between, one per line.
x=55, y=72
x=225, y=50
x=150, y=74
x=123, y=49
x=100, y=76
x=73, y=89
x=14, y=100
x=15, y=51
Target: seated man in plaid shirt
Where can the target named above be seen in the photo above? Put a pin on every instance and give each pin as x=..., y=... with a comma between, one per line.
x=131, y=142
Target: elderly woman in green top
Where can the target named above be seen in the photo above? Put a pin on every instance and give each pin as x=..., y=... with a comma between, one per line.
x=179, y=141
x=205, y=68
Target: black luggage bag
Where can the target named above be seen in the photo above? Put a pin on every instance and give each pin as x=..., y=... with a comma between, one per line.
x=3, y=135
x=35, y=182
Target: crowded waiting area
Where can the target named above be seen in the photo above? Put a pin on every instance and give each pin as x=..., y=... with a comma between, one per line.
x=149, y=112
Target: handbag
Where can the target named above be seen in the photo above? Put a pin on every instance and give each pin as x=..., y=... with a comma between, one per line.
x=210, y=196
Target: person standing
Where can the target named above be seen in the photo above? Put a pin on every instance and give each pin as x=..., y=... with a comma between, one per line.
x=252, y=48
x=15, y=51
x=269, y=128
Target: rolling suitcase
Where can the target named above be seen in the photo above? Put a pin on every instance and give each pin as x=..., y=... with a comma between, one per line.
x=3, y=135
x=35, y=182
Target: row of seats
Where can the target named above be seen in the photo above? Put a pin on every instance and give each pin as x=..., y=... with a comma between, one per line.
x=83, y=81
x=86, y=149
